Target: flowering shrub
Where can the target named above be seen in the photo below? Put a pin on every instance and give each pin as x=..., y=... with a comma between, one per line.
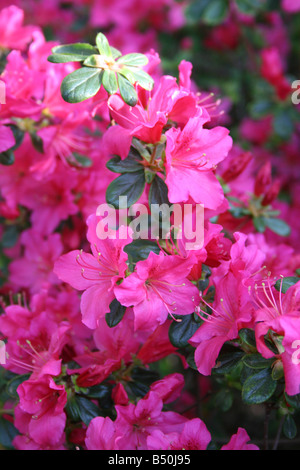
x=150, y=257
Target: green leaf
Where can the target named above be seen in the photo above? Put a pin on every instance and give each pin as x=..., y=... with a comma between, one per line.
x=134, y=60
x=289, y=427
x=82, y=84
x=115, y=52
x=130, y=164
x=249, y=7
x=37, y=142
x=130, y=185
x=81, y=160
x=13, y=384
x=116, y=313
x=293, y=400
x=158, y=193
x=71, y=53
x=141, y=77
x=256, y=361
x=140, y=249
x=103, y=393
x=127, y=91
x=87, y=410
x=7, y=158
x=286, y=283
x=226, y=363
x=215, y=12
x=278, y=226
x=145, y=376
x=109, y=81
x=259, y=224
x=283, y=124
x=181, y=331
x=248, y=337
x=259, y=387
x=139, y=389
x=7, y=433
x=103, y=45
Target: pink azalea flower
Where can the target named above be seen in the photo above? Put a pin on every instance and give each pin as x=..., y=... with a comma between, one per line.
x=169, y=101
x=40, y=412
x=35, y=269
x=13, y=34
x=191, y=157
x=34, y=345
x=194, y=436
x=280, y=314
x=96, y=274
x=7, y=139
x=101, y=434
x=291, y=6
x=239, y=441
x=136, y=423
x=158, y=287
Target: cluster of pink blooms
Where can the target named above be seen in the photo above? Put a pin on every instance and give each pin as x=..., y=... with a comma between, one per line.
x=65, y=277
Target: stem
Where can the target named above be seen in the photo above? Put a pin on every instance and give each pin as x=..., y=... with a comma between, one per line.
x=276, y=442
x=266, y=427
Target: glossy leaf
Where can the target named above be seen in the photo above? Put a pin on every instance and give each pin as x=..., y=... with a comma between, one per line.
x=130, y=185
x=82, y=84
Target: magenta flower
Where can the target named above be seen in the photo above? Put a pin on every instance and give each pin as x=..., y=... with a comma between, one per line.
x=40, y=412
x=95, y=273
x=7, y=139
x=239, y=441
x=194, y=436
x=158, y=287
x=191, y=158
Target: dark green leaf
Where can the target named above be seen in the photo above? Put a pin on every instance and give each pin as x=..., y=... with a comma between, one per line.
x=181, y=331
x=82, y=84
x=215, y=12
x=259, y=387
x=158, y=193
x=226, y=363
x=87, y=410
x=127, y=91
x=140, y=249
x=256, y=361
x=293, y=400
x=37, y=142
x=248, y=337
x=10, y=236
x=285, y=283
x=117, y=312
x=283, y=124
x=130, y=185
x=103, y=393
x=13, y=384
x=145, y=376
x=139, y=389
x=7, y=158
x=7, y=433
x=250, y=7
x=289, y=427
x=71, y=53
x=130, y=164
